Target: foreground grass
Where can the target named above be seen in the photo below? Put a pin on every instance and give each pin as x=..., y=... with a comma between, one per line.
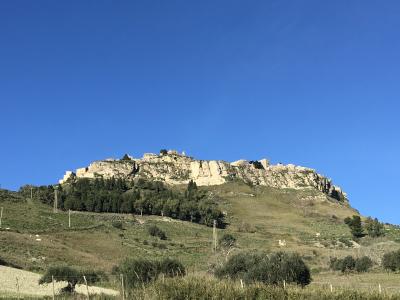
x=208, y=288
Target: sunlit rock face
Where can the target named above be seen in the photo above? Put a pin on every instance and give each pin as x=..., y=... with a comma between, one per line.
x=174, y=168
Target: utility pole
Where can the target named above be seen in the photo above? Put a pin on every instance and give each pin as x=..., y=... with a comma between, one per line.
x=55, y=200
x=1, y=215
x=215, y=236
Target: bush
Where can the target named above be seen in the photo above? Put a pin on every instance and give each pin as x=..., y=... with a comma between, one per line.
x=171, y=267
x=71, y=275
x=363, y=264
x=117, y=224
x=391, y=260
x=272, y=269
x=141, y=271
x=138, y=271
x=227, y=241
x=349, y=264
x=157, y=232
x=163, y=152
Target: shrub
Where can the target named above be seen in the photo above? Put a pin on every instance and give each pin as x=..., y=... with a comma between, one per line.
x=159, y=245
x=171, y=267
x=156, y=231
x=163, y=152
x=349, y=264
x=363, y=264
x=391, y=260
x=141, y=271
x=272, y=269
x=117, y=224
x=138, y=271
x=71, y=275
x=227, y=241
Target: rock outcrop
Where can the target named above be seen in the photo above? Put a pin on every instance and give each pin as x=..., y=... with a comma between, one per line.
x=174, y=168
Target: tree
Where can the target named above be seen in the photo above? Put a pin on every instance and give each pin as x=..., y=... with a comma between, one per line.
x=126, y=157
x=163, y=152
x=355, y=226
x=70, y=275
x=374, y=228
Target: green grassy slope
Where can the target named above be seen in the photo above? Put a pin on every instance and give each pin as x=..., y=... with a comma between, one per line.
x=257, y=216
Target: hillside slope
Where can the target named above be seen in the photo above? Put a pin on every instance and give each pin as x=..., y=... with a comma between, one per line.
x=306, y=221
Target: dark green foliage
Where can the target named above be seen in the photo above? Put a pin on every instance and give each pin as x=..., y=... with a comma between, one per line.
x=363, y=264
x=156, y=231
x=227, y=241
x=144, y=197
x=374, y=228
x=126, y=157
x=117, y=224
x=256, y=164
x=269, y=269
x=349, y=264
x=3, y=262
x=70, y=275
x=163, y=152
x=346, y=242
x=391, y=260
x=355, y=226
x=138, y=272
x=44, y=193
x=171, y=267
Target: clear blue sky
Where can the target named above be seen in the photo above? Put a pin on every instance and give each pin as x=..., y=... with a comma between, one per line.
x=315, y=83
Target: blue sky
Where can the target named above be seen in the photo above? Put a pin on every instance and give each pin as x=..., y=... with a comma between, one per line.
x=314, y=83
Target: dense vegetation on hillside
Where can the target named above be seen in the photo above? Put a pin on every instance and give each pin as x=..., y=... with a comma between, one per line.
x=142, y=197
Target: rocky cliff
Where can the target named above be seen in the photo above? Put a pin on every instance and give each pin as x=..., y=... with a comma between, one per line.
x=174, y=168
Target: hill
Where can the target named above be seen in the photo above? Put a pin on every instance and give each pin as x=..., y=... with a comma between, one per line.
x=304, y=219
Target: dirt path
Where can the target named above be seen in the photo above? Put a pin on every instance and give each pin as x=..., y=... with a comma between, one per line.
x=26, y=283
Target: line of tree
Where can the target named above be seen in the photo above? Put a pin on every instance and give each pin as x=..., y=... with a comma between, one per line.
x=371, y=227
x=138, y=197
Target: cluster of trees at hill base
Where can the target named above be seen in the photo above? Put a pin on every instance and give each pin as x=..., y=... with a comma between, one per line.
x=141, y=197
x=371, y=227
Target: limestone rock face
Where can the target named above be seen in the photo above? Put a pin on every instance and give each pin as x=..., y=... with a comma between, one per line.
x=174, y=168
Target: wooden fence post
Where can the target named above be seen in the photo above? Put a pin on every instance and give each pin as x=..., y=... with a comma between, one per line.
x=1, y=215
x=122, y=287
x=331, y=287
x=87, y=288
x=69, y=218
x=380, y=289
x=17, y=286
x=52, y=281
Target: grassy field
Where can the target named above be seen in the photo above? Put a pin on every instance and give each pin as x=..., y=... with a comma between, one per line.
x=33, y=237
